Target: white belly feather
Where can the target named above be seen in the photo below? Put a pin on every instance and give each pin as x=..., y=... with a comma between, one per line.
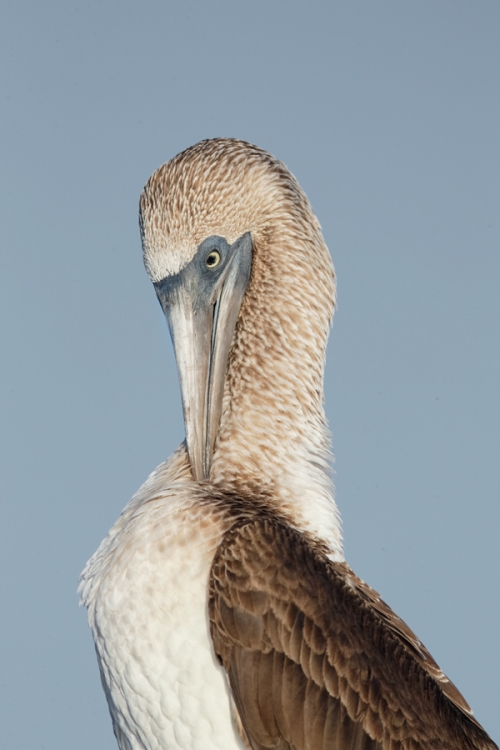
x=146, y=593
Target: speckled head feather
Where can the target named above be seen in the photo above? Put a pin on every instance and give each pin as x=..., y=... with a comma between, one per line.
x=221, y=186
x=273, y=431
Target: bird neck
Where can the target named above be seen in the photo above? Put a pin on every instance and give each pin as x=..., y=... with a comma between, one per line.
x=273, y=436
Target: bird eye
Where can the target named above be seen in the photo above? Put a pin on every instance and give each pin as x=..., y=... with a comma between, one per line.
x=213, y=259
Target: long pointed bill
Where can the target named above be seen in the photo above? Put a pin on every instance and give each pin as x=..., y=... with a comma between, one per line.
x=202, y=304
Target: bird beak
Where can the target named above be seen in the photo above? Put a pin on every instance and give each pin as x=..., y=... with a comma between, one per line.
x=202, y=306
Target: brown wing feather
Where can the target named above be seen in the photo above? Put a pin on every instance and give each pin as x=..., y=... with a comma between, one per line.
x=317, y=661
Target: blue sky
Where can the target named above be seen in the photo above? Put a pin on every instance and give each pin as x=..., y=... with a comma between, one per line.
x=388, y=113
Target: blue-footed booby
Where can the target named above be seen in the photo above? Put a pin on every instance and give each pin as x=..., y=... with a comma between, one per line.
x=223, y=612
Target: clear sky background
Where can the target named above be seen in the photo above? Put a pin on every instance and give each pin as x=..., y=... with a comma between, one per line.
x=388, y=113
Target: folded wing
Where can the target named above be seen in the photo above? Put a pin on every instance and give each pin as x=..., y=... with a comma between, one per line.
x=316, y=660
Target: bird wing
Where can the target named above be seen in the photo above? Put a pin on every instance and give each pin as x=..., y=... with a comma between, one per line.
x=316, y=660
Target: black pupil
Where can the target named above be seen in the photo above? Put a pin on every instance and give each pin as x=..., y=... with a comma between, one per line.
x=212, y=259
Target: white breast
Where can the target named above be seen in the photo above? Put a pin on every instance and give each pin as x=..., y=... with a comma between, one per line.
x=146, y=592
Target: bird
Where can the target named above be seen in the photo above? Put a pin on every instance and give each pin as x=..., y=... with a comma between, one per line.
x=223, y=611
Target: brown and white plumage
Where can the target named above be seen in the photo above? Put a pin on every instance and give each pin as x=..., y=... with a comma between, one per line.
x=227, y=569
x=316, y=659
